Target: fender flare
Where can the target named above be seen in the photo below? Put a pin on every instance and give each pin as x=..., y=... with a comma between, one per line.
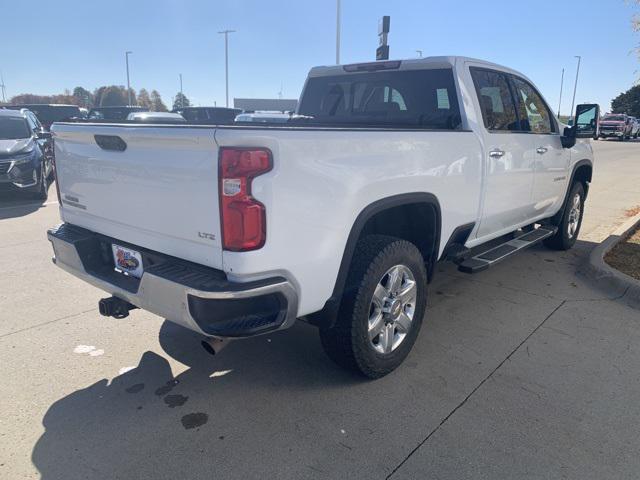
x=327, y=315
x=585, y=162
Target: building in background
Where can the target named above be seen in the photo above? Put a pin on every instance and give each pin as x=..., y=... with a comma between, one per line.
x=265, y=104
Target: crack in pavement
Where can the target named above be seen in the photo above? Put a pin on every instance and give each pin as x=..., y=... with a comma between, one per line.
x=450, y=414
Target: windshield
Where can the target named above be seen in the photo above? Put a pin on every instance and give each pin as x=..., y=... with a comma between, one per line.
x=403, y=98
x=613, y=118
x=49, y=113
x=13, y=128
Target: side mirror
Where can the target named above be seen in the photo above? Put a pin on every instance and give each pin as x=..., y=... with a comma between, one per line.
x=587, y=115
x=585, y=125
x=43, y=135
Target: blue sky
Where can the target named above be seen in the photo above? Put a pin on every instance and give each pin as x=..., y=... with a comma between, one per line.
x=64, y=43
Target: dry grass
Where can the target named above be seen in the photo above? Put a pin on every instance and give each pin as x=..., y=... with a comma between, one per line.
x=626, y=256
x=632, y=212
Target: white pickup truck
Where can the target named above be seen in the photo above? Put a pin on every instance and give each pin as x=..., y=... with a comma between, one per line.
x=336, y=217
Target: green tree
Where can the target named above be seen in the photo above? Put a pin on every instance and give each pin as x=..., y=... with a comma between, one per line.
x=143, y=99
x=83, y=97
x=113, y=96
x=627, y=102
x=97, y=96
x=156, y=102
x=180, y=101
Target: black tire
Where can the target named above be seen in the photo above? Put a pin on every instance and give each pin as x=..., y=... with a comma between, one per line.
x=41, y=189
x=347, y=343
x=563, y=239
x=621, y=138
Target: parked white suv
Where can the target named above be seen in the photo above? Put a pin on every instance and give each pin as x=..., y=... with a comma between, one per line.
x=337, y=217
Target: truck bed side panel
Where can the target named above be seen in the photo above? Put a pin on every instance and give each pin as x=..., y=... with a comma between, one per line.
x=322, y=180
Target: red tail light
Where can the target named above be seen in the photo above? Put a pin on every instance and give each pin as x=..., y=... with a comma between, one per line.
x=243, y=218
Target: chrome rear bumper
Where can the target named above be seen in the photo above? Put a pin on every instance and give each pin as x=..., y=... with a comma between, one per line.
x=197, y=297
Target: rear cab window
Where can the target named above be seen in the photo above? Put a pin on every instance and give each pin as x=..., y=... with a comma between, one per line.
x=421, y=99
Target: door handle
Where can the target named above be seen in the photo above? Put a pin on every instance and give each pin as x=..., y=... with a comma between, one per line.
x=496, y=153
x=541, y=150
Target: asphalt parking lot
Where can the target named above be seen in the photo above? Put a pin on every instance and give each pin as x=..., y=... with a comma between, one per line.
x=522, y=371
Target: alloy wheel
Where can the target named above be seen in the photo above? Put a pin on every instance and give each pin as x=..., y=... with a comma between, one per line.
x=392, y=309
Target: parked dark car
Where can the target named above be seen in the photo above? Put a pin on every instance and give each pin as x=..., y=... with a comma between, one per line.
x=48, y=113
x=25, y=164
x=113, y=114
x=208, y=115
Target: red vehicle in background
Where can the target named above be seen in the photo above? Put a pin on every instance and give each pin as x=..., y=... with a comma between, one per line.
x=616, y=125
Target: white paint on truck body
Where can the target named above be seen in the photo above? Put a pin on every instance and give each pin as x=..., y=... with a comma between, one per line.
x=163, y=190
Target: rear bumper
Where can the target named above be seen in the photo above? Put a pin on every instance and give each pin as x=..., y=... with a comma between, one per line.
x=195, y=296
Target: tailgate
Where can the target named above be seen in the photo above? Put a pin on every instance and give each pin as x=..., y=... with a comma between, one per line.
x=160, y=193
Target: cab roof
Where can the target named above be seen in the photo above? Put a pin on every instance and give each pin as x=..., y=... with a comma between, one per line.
x=446, y=61
x=6, y=112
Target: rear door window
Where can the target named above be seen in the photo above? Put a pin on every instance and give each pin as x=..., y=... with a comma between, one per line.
x=496, y=100
x=403, y=98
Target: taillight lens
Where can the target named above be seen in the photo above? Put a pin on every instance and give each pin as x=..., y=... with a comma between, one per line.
x=243, y=218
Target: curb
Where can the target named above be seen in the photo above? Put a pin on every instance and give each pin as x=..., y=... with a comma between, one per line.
x=608, y=278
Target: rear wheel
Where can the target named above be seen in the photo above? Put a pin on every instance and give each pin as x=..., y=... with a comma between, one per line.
x=569, y=226
x=382, y=308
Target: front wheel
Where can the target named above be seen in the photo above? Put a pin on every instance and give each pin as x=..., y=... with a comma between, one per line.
x=569, y=226
x=382, y=308
x=40, y=191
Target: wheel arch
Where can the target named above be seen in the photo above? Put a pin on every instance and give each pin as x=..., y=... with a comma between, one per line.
x=421, y=203
x=583, y=172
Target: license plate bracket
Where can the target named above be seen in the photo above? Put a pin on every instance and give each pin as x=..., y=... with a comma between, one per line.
x=127, y=261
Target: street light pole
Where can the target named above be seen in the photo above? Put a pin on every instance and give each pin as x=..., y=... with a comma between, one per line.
x=126, y=57
x=181, y=94
x=338, y=32
x=226, y=61
x=575, y=86
x=3, y=88
x=560, y=101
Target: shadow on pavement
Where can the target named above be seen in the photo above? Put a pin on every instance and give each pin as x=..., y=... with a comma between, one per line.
x=276, y=405
x=14, y=204
x=102, y=431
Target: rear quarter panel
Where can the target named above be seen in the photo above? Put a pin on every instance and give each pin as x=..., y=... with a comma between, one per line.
x=322, y=179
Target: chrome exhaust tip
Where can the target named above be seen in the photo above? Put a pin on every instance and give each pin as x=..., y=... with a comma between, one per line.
x=214, y=345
